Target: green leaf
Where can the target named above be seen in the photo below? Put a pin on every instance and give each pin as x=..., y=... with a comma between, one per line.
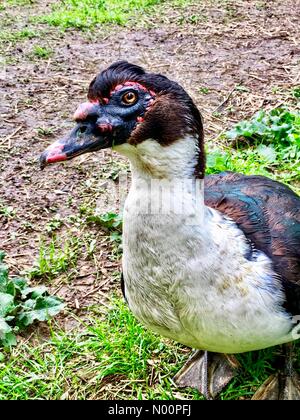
x=2, y=256
x=20, y=283
x=3, y=277
x=216, y=161
x=277, y=130
x=4, y=328
x=35, y=292
x=115, y=236
x=267, y=152
x=16, y=314
x=108, y=220
x=9, y=340
x=10, y=288
x=40, y=309
x=7, y=337
x=6, y=304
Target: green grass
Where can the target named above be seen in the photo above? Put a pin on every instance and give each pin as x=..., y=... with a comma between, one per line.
x=82, y=363
x=55, y=258
x=41, y=52
x=112, y=356
x=16, y=36
x=82, y=14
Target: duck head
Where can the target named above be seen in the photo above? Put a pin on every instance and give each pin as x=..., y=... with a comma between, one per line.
x=141, y=115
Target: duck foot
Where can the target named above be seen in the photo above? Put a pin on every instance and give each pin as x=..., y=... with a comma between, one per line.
x=285, y=385
x=208, y=372
x=279, y=387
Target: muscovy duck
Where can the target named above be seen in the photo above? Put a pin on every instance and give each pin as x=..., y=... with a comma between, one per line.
x=214, y=268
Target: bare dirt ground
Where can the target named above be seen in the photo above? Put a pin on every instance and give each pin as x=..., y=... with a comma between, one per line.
x=253, y=44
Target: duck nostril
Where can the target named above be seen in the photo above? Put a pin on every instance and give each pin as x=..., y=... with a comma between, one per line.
x=104, y=127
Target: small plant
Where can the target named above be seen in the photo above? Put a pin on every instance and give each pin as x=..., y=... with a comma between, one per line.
x=42, y=52
x=54, y=224
x=114, y=169
x=21, y=305
x=113, y=223
x=27, y=33
x=278, y=130
x=296, y=92
x=116, y=240
x=204, y=90
x=44, y=131
x=110, y=221
x=54, y=259
x=276, y=133
x=194, y=19
x=268, y=144
x=7, y=212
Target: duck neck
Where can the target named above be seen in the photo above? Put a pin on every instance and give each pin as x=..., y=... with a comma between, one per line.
x=164, y=181
x=151, y=160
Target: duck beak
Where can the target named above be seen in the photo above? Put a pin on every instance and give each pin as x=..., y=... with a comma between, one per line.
x=83, y=138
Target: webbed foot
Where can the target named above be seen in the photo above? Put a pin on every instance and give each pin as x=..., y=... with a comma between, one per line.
x=208, y=372
x=284, y=385
x=279, y=387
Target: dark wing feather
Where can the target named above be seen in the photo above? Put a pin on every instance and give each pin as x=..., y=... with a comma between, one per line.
x=268, y=213
x=123, y=287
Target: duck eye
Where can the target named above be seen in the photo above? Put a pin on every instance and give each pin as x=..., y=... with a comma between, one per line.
x=129, y=98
